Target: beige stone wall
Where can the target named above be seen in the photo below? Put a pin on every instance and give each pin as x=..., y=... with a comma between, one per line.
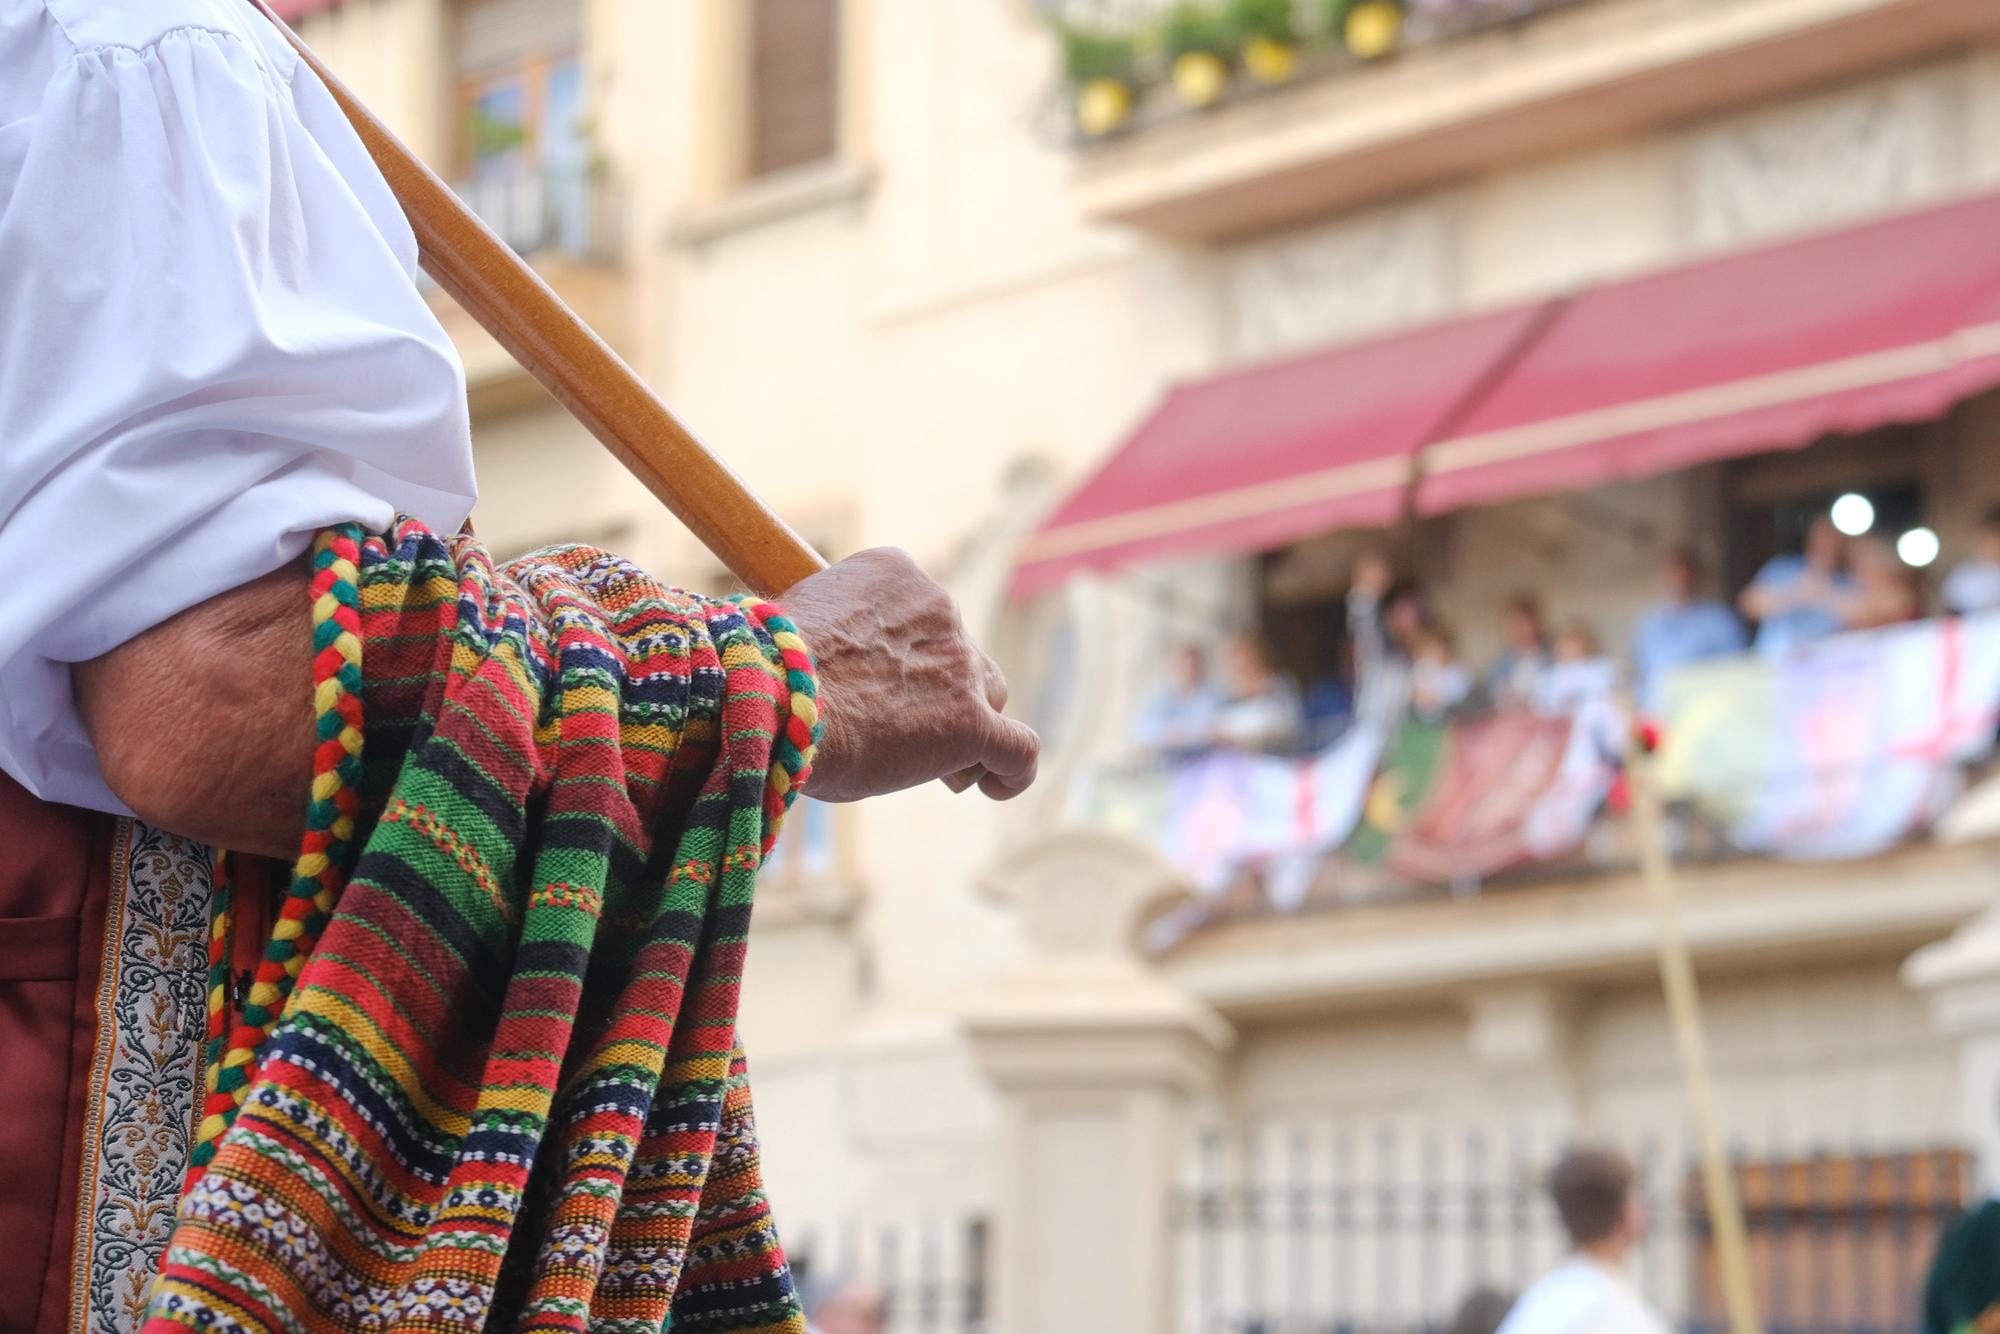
x=1826, y=1055
x=391, y=53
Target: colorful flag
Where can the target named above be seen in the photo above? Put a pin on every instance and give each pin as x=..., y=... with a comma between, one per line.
x=1871, y=729
x=1475, y=822
x=1410, y=765
x=1840, y=749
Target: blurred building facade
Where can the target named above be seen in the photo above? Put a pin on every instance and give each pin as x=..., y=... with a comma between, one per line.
x=860, y=246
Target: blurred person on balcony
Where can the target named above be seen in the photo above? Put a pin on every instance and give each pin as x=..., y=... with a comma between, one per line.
x=1885, y=589
x=1590, y=1292
x=1384, y=619
x=1262, y=712
x=1524, y=654
x=1367, y=599
x=845, y=1305
x=1179, y=719
x=1973, y=585
x=1578, y=673
x=1798, y=599
x=1439, y=682
x=1683, y=628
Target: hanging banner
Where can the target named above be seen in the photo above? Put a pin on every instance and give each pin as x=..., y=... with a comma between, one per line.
x=1840, y=749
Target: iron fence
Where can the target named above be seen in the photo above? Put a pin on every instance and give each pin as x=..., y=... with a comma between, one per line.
x=573, y=213
x=1346, y=1230
x=931, y=1273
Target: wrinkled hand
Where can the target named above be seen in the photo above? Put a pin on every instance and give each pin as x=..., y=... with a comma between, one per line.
x=907, y=696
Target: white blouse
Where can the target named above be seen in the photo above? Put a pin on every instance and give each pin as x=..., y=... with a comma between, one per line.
x=211, y=341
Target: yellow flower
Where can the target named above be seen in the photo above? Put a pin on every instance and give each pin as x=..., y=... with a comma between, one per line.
x=1373, y=27
x=1102, y=106
x=1200, y=78
x=1269, y=61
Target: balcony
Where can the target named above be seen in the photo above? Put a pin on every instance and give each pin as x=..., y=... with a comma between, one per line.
x=1475, y=92
x=1424, y=854
x=569, y=225
x=569, y=216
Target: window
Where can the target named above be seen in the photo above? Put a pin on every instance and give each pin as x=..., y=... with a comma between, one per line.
x=524, y=153
x=793, y=85
x=524, y=120
x=497, y=129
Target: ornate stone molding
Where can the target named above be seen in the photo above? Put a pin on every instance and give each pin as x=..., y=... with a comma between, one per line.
x=1808, y=164
x=1338, y=280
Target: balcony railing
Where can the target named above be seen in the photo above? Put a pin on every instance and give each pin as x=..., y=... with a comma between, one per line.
x=930, y=1273
x=573, y=214
x=1841, y=749
x=1189, y=131
x=1137, y=45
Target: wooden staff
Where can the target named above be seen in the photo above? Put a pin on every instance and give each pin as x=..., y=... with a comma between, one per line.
x=1732, y=1250
x=527, y=318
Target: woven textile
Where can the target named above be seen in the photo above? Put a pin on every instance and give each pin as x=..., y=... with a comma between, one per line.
x=506, y=1092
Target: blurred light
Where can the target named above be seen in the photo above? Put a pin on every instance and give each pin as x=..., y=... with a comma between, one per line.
x=1918, y=547
x=1853, y=514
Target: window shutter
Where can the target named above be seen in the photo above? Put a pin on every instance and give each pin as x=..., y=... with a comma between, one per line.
x=794, y=83
x=490, y=35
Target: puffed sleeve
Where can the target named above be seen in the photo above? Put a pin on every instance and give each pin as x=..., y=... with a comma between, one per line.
x=211, y=345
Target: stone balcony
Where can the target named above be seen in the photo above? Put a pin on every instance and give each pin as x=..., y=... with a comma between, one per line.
x=1566, y=79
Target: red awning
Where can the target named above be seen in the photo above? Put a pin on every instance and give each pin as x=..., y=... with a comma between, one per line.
x=1263, y=456
x=1764, y=349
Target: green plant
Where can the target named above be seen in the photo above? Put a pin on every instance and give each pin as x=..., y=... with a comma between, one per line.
x=1272, y=20
x=493, y=136
x=1337, y=11
x=1091, y=53
x=1191, y=28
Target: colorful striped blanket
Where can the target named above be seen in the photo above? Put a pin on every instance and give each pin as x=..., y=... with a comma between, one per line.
x=506, y=1092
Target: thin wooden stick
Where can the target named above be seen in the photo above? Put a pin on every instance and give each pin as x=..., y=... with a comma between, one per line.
x=526, y=317
x=1732, y=1250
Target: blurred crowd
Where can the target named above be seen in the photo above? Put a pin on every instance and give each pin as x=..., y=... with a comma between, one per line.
x=1404, y=660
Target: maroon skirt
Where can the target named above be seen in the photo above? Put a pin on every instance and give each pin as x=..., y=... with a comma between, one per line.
x=55, y=872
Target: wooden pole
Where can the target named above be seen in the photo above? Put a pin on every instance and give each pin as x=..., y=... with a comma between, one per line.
x=1677, y=980
x=507, y=297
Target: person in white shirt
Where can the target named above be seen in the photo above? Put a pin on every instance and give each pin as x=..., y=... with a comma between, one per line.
x=847, y=1305
x=1439, y=682
x=1591, y=1292
x=213, y=346
x=1178, y=720
x=1973, y=585
x=1262, y=713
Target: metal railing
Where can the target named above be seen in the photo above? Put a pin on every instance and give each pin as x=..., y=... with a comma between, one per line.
x=1355, y=1230
x=571, y=212
x=931, y=1273
x=1428, y=19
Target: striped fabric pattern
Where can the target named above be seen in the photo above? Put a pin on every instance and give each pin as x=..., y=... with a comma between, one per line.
x=506, y=1093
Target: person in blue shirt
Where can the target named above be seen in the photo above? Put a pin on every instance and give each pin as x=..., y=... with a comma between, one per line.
x=1799, y=599
x=1974, y=585
x=1684, y=628
x=1179, y=720
x=1524, y=654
